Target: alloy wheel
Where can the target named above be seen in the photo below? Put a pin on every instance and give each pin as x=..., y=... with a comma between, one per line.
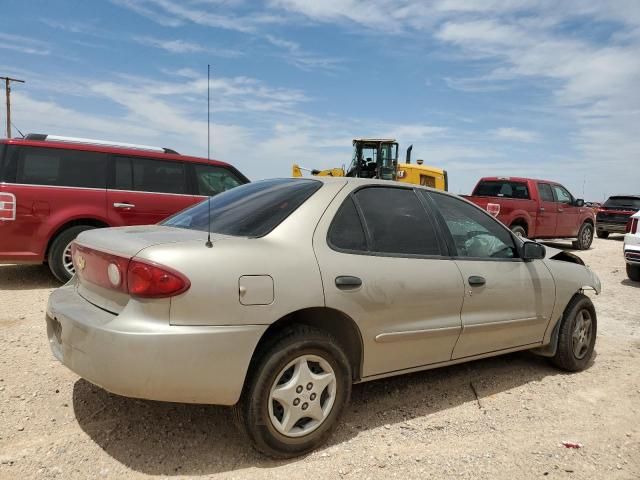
x=582, y=332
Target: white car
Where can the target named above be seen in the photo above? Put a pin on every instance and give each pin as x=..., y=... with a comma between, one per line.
x=632, y=247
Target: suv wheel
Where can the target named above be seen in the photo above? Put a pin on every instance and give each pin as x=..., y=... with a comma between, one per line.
x=295, y=394
x=585, y=237
x=602, y=234
x=577, y=336
x=59, y=257
x=633, y=272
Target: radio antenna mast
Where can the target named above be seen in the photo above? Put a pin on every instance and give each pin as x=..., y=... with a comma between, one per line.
x=209, y=244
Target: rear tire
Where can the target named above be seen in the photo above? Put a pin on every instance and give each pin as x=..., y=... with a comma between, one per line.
x=59, y=257
x=265, y=405
x=577, y=335
x=519, y=231
x=585, y=237
x=602, y=234
x=633, y=272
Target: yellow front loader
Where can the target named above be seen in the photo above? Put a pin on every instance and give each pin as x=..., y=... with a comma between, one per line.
x=378, y=158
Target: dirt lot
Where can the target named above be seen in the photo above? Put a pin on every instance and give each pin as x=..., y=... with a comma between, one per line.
x=55, y=425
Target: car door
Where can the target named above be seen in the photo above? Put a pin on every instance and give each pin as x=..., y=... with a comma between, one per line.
x=568, y=214
x=145, y=190
x=507, y=302
x=547, y=215
x=383, y=263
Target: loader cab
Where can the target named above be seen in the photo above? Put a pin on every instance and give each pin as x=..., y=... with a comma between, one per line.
x=374, y=158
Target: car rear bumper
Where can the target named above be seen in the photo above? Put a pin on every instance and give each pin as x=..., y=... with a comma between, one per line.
x=611, y=227
x=632, y=249
x=140, y=357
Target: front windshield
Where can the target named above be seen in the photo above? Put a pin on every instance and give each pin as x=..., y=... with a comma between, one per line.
x=250, y=210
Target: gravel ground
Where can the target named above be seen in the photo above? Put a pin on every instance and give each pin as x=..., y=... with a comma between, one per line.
x=55, y=425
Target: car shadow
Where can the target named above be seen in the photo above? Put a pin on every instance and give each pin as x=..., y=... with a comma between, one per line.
x=26, y=277
x=630, y=283
x=159, y=438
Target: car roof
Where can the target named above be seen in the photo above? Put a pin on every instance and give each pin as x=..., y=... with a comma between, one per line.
x=113, y=149
x=516, y=179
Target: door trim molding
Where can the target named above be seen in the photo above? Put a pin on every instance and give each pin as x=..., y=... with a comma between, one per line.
x=487, y=327
x=417, y=334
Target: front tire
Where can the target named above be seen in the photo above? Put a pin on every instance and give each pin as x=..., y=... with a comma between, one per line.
x=633, y=272
x=585, y=237
x=602, y=234
x=59, y=257
x=295, y=393
x=577, y=336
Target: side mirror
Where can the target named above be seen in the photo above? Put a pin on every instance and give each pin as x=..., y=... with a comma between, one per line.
x=533, y=251
x=579, y=202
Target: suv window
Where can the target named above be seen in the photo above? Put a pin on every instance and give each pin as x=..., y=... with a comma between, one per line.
x=149, y=175
x=56, y=167
x=623, y=203
x=346, y=232
x=212, y=179
x=546, y=195
x=396, y=222
x=562, y=195
x=250, y=210
x=502, y=188
x=475, y=233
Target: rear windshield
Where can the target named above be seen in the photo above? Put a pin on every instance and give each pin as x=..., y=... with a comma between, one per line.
x=625, y=203
x=250, y=210
x=502, y=188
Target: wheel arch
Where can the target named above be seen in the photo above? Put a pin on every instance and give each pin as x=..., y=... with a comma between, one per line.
x=92, y=221
x=520, y=221
x=332, y=321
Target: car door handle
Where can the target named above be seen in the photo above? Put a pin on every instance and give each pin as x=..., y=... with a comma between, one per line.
x=123, y=205
x=347, y=282
x=476, y=281
x=542, y=209
x=560, y=210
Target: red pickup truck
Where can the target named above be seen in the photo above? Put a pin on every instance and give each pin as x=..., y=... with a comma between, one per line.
x=536, y=208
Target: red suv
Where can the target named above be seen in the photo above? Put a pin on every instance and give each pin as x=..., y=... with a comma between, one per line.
x=53, y=188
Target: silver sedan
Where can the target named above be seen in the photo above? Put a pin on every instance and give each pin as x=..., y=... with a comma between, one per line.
x=278, y=295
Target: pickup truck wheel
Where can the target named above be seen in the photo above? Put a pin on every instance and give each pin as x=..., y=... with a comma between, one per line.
x=577, y=336
x=633, y=272
x=602, y=234
x=585, y=237
x=519, y=230
x=59, y=257
x=295, y=394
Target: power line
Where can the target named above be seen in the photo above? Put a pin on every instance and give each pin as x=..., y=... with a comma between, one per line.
x=7, y=90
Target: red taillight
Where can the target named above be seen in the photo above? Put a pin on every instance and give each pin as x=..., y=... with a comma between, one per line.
x=148, y=280
x=7, y=206
x=135, y=277
x=493, y=209
x=632, y=225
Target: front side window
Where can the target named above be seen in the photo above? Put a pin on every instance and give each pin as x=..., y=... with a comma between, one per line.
x=250, y=210
x=149, y=175
x=212, y=179
x=562, y=195
x=475, y=233
x=56, y=167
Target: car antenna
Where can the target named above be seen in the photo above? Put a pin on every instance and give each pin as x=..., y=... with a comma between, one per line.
x=208, y=244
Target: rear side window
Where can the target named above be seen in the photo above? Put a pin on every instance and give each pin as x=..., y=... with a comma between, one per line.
x=502, y=188
x=346, y=232
x=56, y=167
x=149, y=175
x=212, y=179
x=623, y=203
x=396, y=222
x=546, y=195
x=250, y=210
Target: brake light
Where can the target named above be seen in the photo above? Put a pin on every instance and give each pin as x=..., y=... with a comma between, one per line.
x=7, y=206
x=632, y=225
x=493, y=209
x=135, y=277
x=149, y=280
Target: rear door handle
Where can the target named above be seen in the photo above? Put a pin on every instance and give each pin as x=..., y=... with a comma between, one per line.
x=347, y=282
x=476, y=281
x=560, y=210
x=123, y=205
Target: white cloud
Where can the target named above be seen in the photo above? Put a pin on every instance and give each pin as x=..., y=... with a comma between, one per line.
x=515, y=134
x=183, y=46
x=302, y=59
x=22, y=44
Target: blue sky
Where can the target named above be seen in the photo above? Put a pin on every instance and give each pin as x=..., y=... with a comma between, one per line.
x=494, y=87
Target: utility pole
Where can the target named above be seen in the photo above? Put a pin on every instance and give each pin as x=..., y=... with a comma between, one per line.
x=7, y=89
